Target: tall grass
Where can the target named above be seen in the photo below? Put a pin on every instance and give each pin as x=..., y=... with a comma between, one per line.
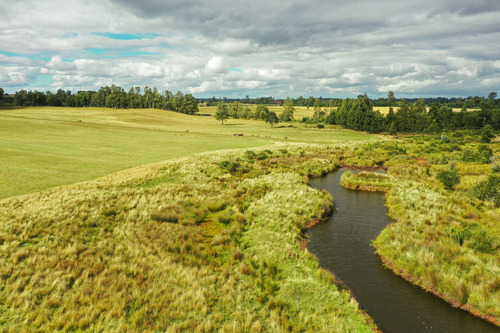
x=182, y=245
x=448, y=242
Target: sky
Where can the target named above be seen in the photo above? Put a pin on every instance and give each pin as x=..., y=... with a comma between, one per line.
x=234, y=48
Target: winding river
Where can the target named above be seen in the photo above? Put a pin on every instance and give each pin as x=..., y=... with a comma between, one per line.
x=342, y=245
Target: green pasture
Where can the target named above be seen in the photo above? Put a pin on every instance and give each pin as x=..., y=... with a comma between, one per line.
x=45, y=147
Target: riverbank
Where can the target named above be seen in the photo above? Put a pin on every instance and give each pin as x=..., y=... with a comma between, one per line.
x=343, y=245
x=445, y=241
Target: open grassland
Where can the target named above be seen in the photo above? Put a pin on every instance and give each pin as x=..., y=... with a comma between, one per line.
x=447, y=242
x=209, y=242
x=299, y=113
x=45, y=147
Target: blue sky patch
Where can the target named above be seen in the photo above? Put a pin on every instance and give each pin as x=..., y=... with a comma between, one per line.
x=234, y=69
x=96, y=51
x=39, y=56
x=42, y=81
x=126, y=36
x=135, y=53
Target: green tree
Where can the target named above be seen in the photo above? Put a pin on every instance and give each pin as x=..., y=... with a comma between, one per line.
x=272, y=118
x=1, y=95
x=287, y=114
x=235, y=109
x=222, y=112
x=391, y=100
x=487, y=134
x=261, y=111
x=189, y=104
x=392, y=128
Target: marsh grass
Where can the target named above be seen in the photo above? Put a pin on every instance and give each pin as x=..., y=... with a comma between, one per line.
x=366, y=181
x=446, y=242
x=182, y=245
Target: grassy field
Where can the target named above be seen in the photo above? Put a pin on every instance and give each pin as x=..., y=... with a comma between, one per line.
x=45, y=147
x=209, y=242
x=299, y=113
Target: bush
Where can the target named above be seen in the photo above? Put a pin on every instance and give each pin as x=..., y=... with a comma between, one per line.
x=229, y=166
x=449, y=178
x=487, y=134
x=488, y=189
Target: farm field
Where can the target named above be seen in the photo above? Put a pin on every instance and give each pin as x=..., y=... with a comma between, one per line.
x=45, y=147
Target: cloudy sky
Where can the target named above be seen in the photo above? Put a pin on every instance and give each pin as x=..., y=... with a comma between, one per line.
x=235, y=48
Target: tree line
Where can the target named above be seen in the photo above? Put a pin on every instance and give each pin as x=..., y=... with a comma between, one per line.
x=417, y=117
x=110, y=97
x=471, y=102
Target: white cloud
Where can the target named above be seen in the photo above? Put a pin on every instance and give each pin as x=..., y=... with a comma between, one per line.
x=279, y=48
x=216, y=65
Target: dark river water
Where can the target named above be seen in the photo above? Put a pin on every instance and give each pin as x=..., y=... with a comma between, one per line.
x=342, y=245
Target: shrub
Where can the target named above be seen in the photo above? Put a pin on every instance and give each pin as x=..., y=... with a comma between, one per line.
x=320, y=125
x=488, y=189
x=229, y=166
x=449, y=178
x=487, y=134
x=485, y=153
x=469, y=156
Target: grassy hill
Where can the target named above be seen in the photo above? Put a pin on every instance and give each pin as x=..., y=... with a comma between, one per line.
x=45, y=147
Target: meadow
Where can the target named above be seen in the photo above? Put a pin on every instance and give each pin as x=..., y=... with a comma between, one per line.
x=45, y=147
x=207, y=234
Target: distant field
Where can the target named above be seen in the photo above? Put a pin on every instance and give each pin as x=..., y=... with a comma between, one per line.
x=300, y=111
x=385, y=109
x=45, y=147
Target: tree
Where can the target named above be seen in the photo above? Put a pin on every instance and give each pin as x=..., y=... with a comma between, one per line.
x=492, y=95
x=222, y=112
x=391, y=100
x=261, y=111
x=188, y=105
x=272, y=118
x=1, y=94
x=235, y=108
x=392, y=128
x=287, y=114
